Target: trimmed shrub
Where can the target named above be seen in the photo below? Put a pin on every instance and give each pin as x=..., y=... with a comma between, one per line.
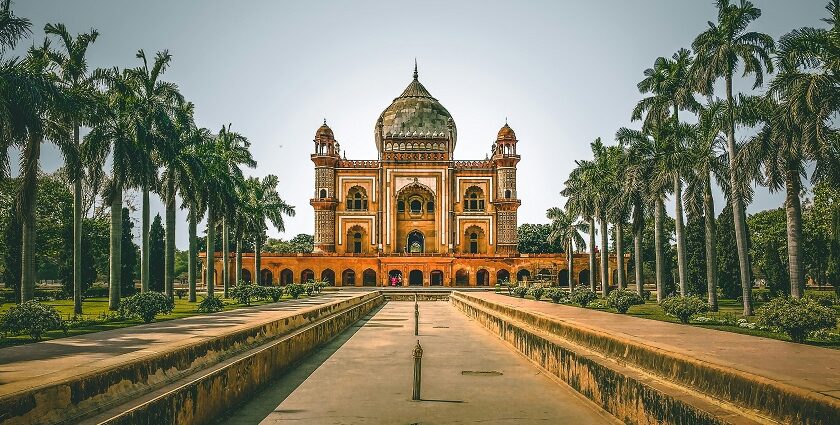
x=621, y=300
x=520, y=291
x=294, y=290
x=243, y=292
x=537, y=292
x=145, y=306
x=31, y=318
x=275, y=292
x=796, y=317
x=825, y=299
x=211, y=304
x=582, y=296
x=557, y=295
x=309, y=288
x=684, y=307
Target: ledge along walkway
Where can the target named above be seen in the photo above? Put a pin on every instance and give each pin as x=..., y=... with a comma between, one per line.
x=36, y=364
x=804, y=366
x=468, y=376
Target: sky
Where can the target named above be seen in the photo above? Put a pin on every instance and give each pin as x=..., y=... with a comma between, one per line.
x=562, y=73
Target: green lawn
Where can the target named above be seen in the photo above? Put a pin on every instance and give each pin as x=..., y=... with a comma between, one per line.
x=652, y=310
x=97, y=317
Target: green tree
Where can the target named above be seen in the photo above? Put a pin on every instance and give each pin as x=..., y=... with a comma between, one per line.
x=695, y=248
x=94, y=252
x=727, y=255
x=534, y=239
x=152, y=102
x=566, y=230
x=264, y=204
x=157, y=247
x=112, y=137
x=129, y=252
x=773, y=269
x=668, y=82
x=72, y=76
x=719, y=50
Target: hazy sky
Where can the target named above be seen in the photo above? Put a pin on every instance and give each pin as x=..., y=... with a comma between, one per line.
x=563, y=73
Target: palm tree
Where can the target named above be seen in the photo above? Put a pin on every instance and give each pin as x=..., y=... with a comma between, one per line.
x=599, y=183
x=647, y=148
x=671, y=89
x=719, y=50
x=805, y=97
x=566, y=228
x=580, y=193
x=225, y=155
x=708, y=158
x=73, y=78
x=154, y=100
x=634, y=191
x=38, y=114
x=620, y=206
x=776, y=156
x=113, y=134
x=264, y=203
x=182, y=167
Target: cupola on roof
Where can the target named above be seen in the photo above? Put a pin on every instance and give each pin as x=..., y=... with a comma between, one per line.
x=324, y=132
x=506, y=133
x=415, y=114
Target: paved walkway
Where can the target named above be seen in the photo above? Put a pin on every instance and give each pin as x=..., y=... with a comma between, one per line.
x=39, y=363
x=469, y=376
x=804, y=366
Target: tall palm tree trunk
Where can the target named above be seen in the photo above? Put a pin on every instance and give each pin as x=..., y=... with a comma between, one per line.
x=144, y=252
x=793, y=210
x=210, y=280
x=115, y=261
x=77, y=247
x=257, y=261
x=738, y=217
x=226, y=256
x=192, y=260
x=637, y=261
x=605, y=259
x=27, y=198
x=680, y=234
x=169, y=267
x=570, y=257
x=619, y=253
x=238, y=264
x=592, y=266
x=660, y=256
x=77, y=236
x=711, y=242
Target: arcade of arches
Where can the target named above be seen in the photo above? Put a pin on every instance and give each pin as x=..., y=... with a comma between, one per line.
x=415, y=215
x=419, y=270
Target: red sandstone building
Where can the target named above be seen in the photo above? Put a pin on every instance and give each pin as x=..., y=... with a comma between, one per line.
x=415, y=212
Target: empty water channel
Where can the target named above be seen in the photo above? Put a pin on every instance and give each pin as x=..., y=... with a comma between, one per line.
x=365, y=376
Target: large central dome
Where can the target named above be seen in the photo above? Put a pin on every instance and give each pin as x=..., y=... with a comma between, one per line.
x=415, y=114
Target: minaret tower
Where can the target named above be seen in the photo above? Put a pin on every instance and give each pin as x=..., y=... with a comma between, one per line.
x=507, y=203
x=324, y=201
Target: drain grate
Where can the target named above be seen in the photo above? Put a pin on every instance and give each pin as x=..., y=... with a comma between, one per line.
x=481, y=373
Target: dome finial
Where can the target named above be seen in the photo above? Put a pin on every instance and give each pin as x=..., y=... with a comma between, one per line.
x=325, y=121
x=415, y=68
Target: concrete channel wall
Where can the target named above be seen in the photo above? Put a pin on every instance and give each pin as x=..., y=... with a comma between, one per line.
x=85, y=395
x=642, y=384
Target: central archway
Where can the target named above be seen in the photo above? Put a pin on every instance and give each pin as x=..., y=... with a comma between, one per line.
x=415, y=278
x=416, y=242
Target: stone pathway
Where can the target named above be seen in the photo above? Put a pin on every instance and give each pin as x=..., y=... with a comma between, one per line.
x=39, y=363
x=469, y=376
x=804, y=366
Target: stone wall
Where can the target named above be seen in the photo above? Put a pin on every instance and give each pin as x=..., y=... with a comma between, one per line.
x=641, y=384
x=90, y=393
